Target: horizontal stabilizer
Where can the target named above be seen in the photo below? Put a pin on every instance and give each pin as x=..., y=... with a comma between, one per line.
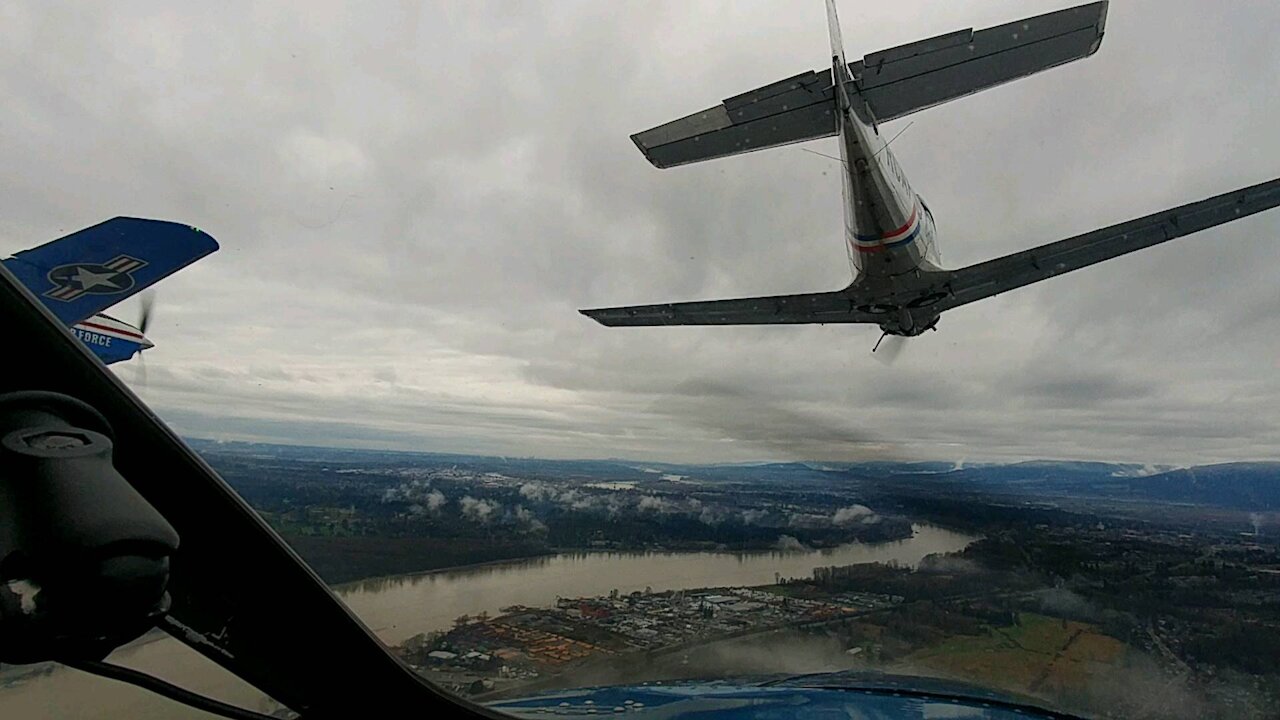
x=828, y=307
x=92, y=269
x=913, y=77
x=788, y=111
x=892, y=83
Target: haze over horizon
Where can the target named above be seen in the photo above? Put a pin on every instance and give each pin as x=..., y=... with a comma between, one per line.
x=413, y=203
x=1140, y=469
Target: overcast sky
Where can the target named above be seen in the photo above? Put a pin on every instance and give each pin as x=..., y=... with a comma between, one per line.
x=413, y=200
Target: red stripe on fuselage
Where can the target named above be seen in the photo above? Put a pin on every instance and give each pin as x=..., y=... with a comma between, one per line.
x=126, y=333
x=911, y=219
x=902, y=230
x=886, y=241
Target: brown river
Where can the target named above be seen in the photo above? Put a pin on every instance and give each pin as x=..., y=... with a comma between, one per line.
x=399, y=607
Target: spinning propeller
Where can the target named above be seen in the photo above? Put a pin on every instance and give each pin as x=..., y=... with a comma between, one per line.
x=893, y=345
x=148, y=300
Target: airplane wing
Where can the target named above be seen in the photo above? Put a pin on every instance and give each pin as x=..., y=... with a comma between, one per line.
x=90, y=270
x=1029, y=266
x=828, y=307
x=946, y=289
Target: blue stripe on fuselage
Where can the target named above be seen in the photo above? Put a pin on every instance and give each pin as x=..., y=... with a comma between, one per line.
x=911, y=236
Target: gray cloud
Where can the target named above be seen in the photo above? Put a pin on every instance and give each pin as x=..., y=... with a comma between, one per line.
x=413, y=203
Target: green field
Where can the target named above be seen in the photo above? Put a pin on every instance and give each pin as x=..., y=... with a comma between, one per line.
x=1038, y=655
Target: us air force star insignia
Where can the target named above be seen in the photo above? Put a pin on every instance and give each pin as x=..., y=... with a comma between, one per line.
x=73, y=280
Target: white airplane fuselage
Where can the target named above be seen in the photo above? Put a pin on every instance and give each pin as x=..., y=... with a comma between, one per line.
x=110, y=339
x=889, y=231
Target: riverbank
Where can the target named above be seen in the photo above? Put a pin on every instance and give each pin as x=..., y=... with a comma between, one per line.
x=340, y=559
x=343, y=559
x=401, y=606
x=640, y=550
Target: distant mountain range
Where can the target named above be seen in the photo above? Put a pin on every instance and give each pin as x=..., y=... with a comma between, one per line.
x=1246, y=486
x=1251, y=486
x=1243, y=486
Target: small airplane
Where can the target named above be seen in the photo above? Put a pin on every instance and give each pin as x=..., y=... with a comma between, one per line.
x=80, y=275
x=889, y=230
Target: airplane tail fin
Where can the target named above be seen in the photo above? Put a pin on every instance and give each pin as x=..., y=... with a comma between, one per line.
x=92, y=269
x=893, y=83
x=839, y=65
